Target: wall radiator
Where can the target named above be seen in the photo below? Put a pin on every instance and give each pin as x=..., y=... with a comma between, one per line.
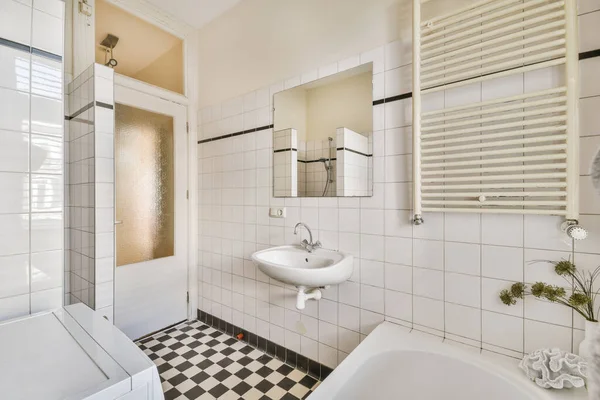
x=516, y=154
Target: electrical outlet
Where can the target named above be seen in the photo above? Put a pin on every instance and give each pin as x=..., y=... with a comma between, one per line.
x=277, y=212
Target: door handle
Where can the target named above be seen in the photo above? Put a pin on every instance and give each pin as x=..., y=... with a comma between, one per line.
x=118, y=222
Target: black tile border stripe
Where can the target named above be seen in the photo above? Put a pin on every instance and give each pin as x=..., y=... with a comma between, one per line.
x=83, y=121
x=262, y=128
x=15, y=45
x=589, y=54
x=304, y=364
x=355, y=151
x=582, y=56
x=30, y=49
x=81, y=110
x=315, y=161
x=104, y=105
x=282, y=150
x=46, y=54
x=87, y=107
x=393, y=98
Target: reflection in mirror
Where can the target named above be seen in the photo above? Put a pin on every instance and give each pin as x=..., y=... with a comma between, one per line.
x=322, y=137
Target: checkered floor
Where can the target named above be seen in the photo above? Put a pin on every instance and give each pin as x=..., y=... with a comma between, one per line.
x=196, y=361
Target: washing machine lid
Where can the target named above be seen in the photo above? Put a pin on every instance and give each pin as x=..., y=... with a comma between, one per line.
x=49, y=356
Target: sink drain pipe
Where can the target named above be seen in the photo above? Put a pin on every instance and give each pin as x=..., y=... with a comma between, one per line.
x=304, y=294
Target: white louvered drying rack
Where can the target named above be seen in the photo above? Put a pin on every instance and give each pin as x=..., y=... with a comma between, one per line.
x=516, y=154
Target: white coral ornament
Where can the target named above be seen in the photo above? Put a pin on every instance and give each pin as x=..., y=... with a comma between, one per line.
x=555, y=369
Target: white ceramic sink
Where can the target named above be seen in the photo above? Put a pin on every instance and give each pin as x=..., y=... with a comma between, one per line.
x=296, y=266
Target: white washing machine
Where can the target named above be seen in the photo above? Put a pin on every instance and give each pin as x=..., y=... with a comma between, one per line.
x=73, y=353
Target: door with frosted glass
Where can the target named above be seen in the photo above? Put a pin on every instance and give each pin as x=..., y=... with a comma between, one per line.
x=151, y=223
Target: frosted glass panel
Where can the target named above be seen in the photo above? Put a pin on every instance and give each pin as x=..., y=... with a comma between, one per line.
x=144, y=179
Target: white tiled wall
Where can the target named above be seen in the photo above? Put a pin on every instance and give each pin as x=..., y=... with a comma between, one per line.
x=442, y=277
x=80, y=198
x=354, y=172
x=90, y=200
x=31, y=154
x=285, y=163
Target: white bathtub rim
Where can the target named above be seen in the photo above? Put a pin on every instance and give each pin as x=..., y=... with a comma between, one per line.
x=391, y=337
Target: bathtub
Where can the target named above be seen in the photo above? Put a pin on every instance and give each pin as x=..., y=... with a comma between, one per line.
x=396, y=363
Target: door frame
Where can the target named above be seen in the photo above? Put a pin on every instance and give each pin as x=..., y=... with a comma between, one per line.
x=191, y=149
x=188, y=34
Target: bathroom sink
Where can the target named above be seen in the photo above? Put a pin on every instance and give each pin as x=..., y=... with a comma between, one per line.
x=296, y=266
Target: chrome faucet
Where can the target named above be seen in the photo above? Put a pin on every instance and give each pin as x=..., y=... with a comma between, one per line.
x=308, y=245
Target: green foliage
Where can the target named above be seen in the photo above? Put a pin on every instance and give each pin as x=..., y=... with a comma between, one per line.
x=564, y=268
x=581, y=300
x=517, y=290
x=507, y=298
x=538, y=289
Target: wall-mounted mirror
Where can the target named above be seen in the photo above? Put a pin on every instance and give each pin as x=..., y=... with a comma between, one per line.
x=322, y=137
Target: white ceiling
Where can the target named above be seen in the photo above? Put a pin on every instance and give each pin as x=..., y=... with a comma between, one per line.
x=196, y=13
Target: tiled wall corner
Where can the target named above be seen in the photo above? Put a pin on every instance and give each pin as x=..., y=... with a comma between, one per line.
x=91, y=188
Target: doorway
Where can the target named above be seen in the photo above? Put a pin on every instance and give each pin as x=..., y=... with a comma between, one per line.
x=151, y=223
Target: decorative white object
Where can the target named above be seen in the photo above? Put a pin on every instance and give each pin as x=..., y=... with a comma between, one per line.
x=592, y=333
x=555, y=369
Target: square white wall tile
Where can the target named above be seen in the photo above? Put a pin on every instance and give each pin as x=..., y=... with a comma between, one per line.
x=15, y=21
x=502, y=262
x=463, y=321
x=47, y=32
x=55, y=8
x=428, y=254
x=369, y=321
x=428, y=283
x=428, y=313
x=47, y=77
x=372, y=298
x=589, y=119
x=14, y=153
x=502, y=330
x=587, y=74
x=541, y=335
x=398, y=277
x=349, y=317
x=50, y=299
x=46, y=232
x=14, y=234
x=14, y=275
x=14, y=110
x=13, y=307
x=15, y=193
x=463, y=227
x=463, y=289
x=588, y=32
x=586, y=6
x=500, y=229
x=398, y=305
x=46, y=270
x=463, y=257
x=14, y=68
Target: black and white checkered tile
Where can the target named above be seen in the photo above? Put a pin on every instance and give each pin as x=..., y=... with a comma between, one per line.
x=196, y=361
